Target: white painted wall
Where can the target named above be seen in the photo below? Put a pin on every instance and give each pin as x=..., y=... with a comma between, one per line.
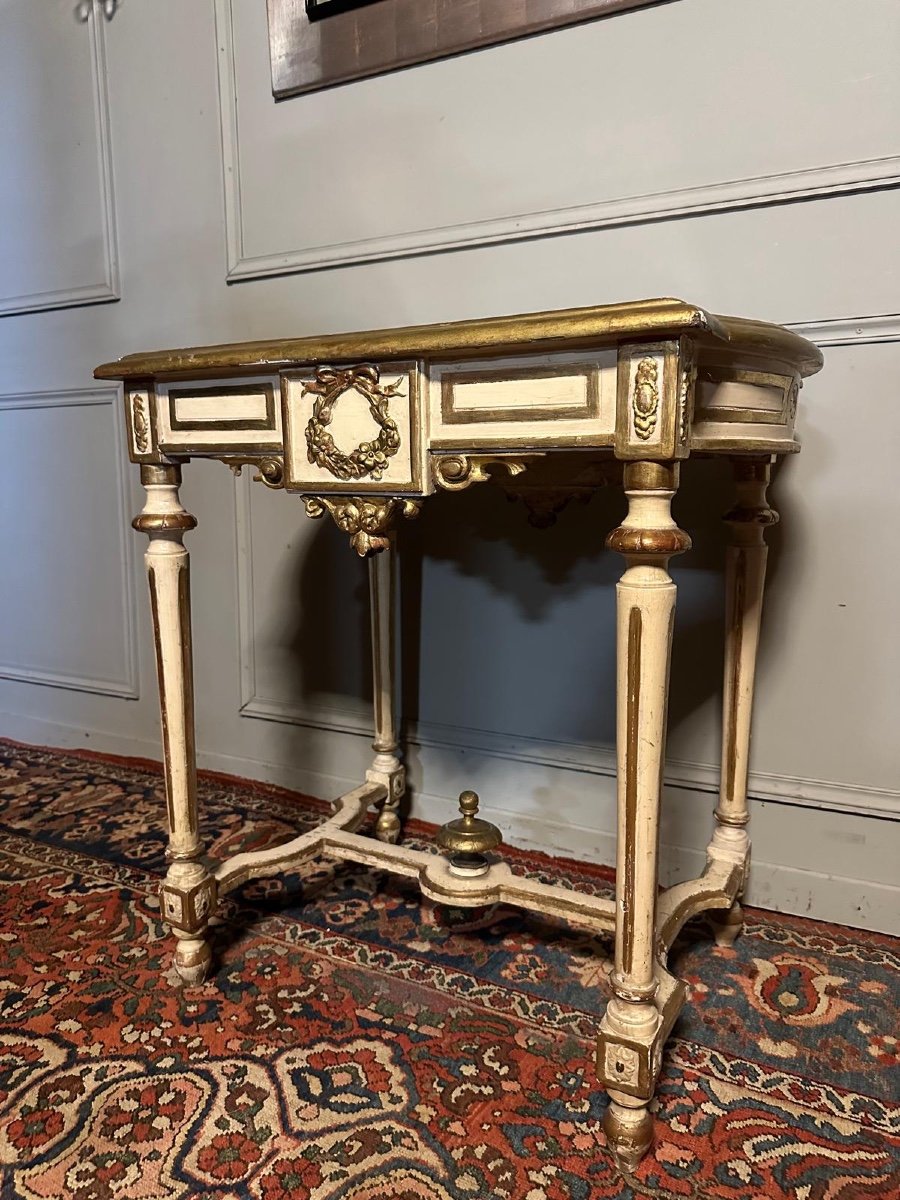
x=745, y=157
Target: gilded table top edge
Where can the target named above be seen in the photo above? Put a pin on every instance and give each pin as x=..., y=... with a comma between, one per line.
x=492, y=337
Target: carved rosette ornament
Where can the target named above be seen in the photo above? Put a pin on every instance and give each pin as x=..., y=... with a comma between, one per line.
x=367, y=519
x=369, y=459
x=645, y=398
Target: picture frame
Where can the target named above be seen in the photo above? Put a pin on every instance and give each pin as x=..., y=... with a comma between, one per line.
x=317, y=9
x=316, y=44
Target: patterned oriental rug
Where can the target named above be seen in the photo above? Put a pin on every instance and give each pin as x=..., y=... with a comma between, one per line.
x=355, y=1043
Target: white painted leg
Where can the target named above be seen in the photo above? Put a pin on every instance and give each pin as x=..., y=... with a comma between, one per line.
x=188, y=893
x=744, y=581
x=628, y=1046
x=387, y=767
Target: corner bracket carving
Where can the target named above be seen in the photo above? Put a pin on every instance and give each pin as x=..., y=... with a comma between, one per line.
x=549, y=486
x=269, y=469
x=454, y=472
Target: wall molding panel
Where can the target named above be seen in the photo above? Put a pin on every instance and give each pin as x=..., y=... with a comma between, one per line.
x=587, y=758
x=126, y=687
x=334, y=717
x=107, y=288
x=851, y=331
x=831, y=179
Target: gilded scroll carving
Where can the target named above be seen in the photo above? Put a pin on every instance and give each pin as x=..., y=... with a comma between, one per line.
x=368, y=520
x=269, y=468
x=556, y=480
x=369, y=458
x=454, y=472
x=645, y=398
x=140, y=424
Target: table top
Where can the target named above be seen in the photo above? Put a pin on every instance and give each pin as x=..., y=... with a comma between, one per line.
x=544, y=332
x=401, y=411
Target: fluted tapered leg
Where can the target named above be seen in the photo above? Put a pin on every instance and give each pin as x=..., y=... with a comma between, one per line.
x=745, y=575
x=188, y=893
x=387, y=767
x=628, y=1056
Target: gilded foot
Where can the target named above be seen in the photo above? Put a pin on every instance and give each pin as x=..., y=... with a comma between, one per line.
x=193, y=959
x=388, y=771
x=629, y=1132
x=387, y=827
x=727, y=925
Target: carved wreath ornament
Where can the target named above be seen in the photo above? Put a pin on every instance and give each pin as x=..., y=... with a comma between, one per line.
x=369, y=458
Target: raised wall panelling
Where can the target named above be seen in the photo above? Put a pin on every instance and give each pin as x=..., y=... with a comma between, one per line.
x=851, y=331
x=69, y=600
x=273, y=685
x=57, y=213
x=510, y=97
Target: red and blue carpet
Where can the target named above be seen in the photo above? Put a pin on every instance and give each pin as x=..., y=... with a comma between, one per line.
x=352, y=1045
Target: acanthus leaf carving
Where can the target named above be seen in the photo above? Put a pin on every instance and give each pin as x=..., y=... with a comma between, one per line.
x=140, y=424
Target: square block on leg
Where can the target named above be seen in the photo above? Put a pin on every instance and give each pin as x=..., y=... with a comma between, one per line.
x=188, y=908
x=628, y=1066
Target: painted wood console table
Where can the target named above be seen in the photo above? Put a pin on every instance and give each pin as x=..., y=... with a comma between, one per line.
x=365, y=427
